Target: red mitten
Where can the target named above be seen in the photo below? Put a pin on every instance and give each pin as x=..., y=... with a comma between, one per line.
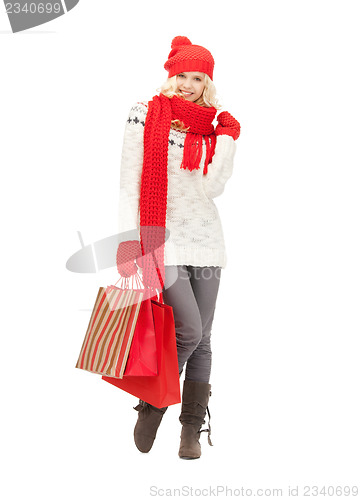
x=227, y=125
x=126, y=254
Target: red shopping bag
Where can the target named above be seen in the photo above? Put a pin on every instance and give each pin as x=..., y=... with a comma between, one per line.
x=164, y=388
x=142, y=359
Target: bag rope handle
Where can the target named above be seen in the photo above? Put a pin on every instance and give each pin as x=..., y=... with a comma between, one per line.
x=135, y=282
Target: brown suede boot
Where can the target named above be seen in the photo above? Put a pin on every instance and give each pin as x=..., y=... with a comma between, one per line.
x=149, y=418
x=195, y=400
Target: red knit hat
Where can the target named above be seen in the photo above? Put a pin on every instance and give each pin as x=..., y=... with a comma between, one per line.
x=185, y=56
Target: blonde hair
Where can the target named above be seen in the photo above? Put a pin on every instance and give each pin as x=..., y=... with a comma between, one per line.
x=207, y=99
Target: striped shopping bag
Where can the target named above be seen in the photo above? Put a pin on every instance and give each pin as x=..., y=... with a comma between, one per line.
x=110, y=331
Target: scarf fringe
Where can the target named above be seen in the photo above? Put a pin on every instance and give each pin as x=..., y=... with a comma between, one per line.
x=210, y=150
x=193, y=151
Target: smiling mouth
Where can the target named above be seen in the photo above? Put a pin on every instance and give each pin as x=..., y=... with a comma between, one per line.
x=186, y=93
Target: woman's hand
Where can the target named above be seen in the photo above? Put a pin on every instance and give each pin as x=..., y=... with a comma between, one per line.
x=126, y=254
x=227, y=125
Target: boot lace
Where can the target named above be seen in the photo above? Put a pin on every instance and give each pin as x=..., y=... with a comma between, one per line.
x=208, y=430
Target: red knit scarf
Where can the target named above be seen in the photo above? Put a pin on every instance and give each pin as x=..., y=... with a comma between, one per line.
x=153, y=193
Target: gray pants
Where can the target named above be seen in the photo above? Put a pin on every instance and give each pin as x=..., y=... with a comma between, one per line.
x=193, y=297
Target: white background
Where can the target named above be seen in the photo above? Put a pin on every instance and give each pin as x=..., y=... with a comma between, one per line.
x=285, y=405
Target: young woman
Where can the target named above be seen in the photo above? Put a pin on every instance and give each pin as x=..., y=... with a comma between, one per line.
x=174, y=162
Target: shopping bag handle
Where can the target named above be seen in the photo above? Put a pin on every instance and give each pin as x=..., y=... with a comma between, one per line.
x=135, y=282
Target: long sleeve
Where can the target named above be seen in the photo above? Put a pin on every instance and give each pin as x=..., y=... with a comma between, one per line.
x=221, y=167
x=131, y=169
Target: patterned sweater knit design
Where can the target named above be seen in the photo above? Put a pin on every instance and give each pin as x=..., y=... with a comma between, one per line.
x=196, y=235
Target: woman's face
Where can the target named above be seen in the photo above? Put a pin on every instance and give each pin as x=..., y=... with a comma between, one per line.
x=191, y=85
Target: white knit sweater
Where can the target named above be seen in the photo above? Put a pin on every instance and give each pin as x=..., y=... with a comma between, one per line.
x=196, y=235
